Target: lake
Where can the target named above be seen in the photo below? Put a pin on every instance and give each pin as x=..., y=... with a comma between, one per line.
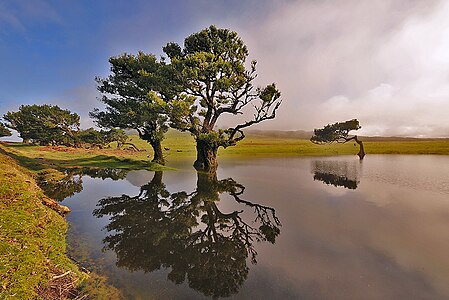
x=268, y=228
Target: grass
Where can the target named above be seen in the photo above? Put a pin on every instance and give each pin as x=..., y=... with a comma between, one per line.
x=37, y=158
x=32, y=236
x=261, y=146
x=33, y=242
x=181, y=146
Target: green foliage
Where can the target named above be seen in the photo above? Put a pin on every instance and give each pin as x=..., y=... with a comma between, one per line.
x=44, y=124
x=202, y=81
x=337, y=132
x=4, y=131
x=93, y=137
x=90, y=136
x=129, y=95
x=212, y=80
x=115, y=135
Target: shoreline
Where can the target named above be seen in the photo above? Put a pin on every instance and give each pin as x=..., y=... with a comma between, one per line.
x=33, y=258
x=33, y=236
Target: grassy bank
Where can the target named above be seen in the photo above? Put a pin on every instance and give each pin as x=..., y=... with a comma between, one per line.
x=181, y=146
x=32, y=243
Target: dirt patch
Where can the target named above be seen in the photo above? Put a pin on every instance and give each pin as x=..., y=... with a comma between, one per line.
x=61, y=286
x=59, y=149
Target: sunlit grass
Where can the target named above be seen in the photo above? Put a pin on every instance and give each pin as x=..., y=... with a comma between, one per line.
x=32, y=237
x=33, y=241
x=181, y=146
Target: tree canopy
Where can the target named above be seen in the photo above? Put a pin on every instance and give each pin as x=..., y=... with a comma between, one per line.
x=212, y=80
x=338, y=132
x=125, y=92
x=4, y=131
x=45, y=124
x=93, y=137
x=190, y=90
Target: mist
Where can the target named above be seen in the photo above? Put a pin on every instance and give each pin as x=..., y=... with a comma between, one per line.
x=385, y=63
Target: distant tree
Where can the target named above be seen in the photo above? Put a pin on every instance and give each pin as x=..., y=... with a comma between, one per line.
x=338, y=132
x=101, y=138
x=211, y=81
x=91, y=137
x=4, y=131
x=129, y=103
x=116, y=135
x=336, y=173
x=44, y=124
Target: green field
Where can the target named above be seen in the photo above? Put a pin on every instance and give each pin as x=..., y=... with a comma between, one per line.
x=33, y=244
x=181, y=146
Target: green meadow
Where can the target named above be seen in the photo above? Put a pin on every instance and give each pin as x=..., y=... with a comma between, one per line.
x=181, y=146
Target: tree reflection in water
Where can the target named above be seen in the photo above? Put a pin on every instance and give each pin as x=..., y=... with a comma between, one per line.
x=188, y=233
x=70, y=181
x=337, y=173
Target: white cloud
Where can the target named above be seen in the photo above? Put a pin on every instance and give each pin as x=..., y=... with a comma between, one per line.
x=383, y=62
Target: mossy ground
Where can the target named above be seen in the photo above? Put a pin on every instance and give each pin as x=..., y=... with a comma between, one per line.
x=32, y=239
x=181, y=146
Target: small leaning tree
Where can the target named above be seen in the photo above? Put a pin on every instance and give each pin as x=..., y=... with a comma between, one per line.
x=127, y=96
x=338, y=132
x=212, y=81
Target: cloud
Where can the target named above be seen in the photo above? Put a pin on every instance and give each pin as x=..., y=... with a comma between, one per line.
x=19, y=14
x=383, y=62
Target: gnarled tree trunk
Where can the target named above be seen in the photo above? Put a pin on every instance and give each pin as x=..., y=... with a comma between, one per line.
x=158, y=156
x=206, y=157
x=361, y=153
x=155, y=143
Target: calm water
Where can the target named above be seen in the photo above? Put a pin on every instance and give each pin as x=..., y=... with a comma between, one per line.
x=318, y=228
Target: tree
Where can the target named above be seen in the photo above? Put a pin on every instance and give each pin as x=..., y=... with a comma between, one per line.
x=211, y=81
x=59, y=185
x=128, y=102
x=4, y=131
x=338, y=132
x=336, y=173
x=90, y=136
x=102, y=138
x=188, y=233
x=116, y=135
x=45, y=124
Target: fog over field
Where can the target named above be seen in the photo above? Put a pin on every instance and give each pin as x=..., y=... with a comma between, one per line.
x=385, y=63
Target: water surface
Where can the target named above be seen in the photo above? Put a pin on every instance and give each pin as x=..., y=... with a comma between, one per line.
x=277, y=228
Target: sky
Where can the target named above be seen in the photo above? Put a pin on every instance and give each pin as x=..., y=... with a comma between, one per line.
x=383, y=62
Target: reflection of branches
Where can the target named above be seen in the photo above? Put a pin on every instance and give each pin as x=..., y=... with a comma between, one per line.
x=336, y=173
x=114, y=174
x=59, y=185
x=188, y=233
x=336, y=180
